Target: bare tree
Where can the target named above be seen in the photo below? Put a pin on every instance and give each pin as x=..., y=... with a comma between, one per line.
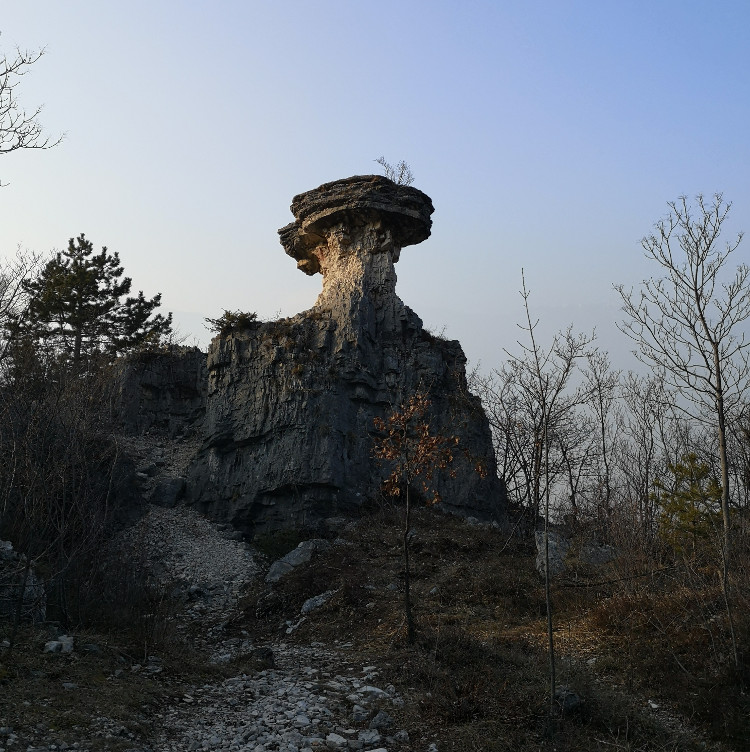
x=512, y=432
x=686, y=323
x=14, y=299
x=602, y=383
x=577, y=442
x=19, y=128
x=400, y=174
x=546, y=376
x=687, y=327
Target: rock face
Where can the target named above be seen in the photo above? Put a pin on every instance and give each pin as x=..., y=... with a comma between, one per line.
x=163, y=391
x=288, y=430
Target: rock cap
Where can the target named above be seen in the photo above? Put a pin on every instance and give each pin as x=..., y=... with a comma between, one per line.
x=401, y=209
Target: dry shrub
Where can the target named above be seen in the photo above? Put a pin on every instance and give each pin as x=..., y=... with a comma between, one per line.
x=457, y=671
x=121, y=599
x=278, y=543
x=673, y=641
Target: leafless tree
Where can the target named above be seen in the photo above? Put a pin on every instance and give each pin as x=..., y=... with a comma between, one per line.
x=688, y=327
x=577, y=443
x=14, y=299
x=687, y=322
x=601, y=382
x=545, y=374
x=19, y=128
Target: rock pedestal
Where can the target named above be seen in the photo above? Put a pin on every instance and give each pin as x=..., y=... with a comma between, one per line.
x=288, y=430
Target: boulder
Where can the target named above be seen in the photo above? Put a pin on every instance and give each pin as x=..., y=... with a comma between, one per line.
x=568, y=701
x=168, y=491
x=381, y=720
x=300, y=555
x=311, y=604
x=597, y=554
x=63, y=644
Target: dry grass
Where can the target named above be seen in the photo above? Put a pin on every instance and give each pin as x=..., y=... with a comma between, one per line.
x=477, y=678
x=115, y=697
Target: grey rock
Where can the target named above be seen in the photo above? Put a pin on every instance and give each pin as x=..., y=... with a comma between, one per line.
x=63, y=644
x=285, y=409
x=336, y=741
x=559, y=546
x=6, y=551
x=568, y=701
x=317, y=601
x=336, y=524
x=360, y=714
x=168, y=492
x=370, y=736
x=597, y=554
x=162, y=390
x=300, y=555
x=373, y=692
x=381, y=720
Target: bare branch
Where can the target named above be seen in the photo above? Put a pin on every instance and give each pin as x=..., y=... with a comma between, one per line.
x=20, y=128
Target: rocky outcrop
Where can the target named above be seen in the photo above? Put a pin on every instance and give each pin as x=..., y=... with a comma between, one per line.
x=290, y=407
x=163, y=391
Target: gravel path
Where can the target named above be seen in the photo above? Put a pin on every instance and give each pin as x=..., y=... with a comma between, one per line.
x=309, y=701
x=310, y=696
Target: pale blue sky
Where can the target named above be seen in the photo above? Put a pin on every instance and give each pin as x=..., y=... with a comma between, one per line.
x=550, y=136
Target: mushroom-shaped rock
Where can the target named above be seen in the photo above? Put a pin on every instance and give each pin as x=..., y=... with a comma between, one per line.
x=291, y=404
x=398, y=215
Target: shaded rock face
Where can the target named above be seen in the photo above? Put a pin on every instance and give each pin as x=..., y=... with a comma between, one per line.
x=163, y=391
x=288, y=430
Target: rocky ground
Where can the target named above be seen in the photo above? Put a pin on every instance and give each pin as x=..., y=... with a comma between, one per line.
x=236, y=651
x=313, y=699
x=291, y=698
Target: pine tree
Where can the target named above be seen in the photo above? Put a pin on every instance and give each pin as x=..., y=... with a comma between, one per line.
x=77, y=308
x=690, y=502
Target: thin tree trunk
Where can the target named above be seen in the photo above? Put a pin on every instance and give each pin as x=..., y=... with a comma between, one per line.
x=547, y=595
x=726, y=549
x=719, y=387
x=410, y=632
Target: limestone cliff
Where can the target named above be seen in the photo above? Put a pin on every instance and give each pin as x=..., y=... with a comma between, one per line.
x=162, y=391
x=288, y=428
